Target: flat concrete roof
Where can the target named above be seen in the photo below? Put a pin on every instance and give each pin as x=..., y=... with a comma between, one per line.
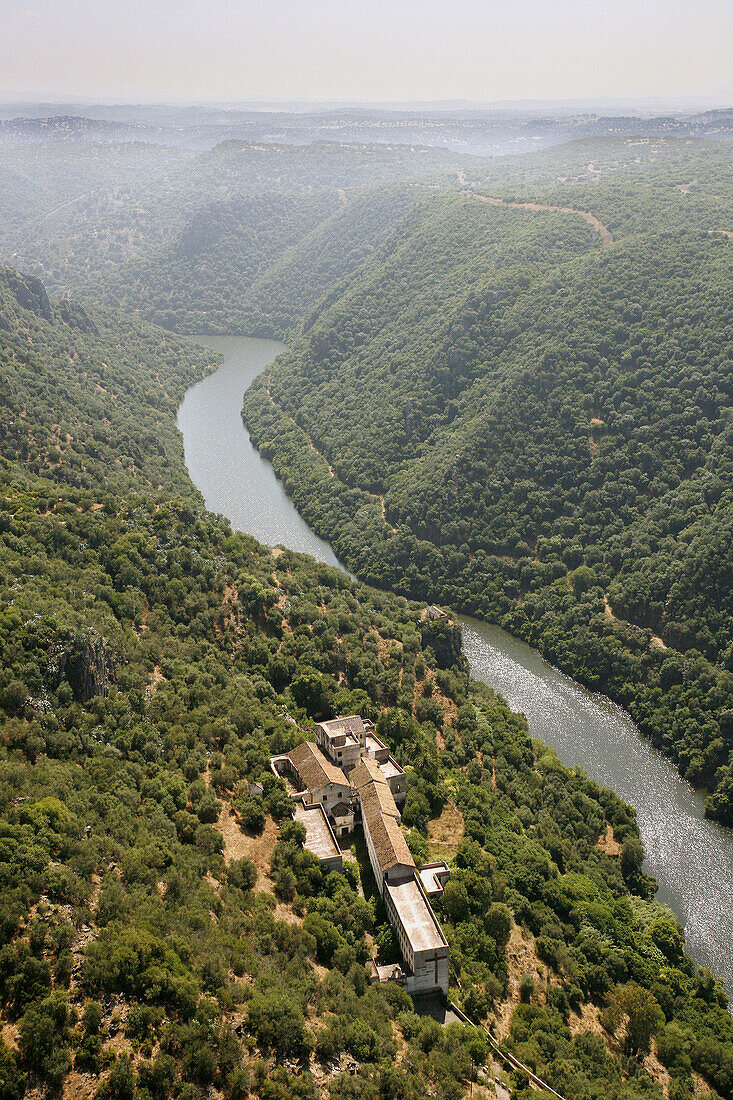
x=351, y=727
x=391, y=769
x=417, y=917
x=318, y=835
x=430, y=876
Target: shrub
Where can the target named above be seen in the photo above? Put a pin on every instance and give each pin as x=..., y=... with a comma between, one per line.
x=277, y=1023
x=526, y=988
x=242, y=873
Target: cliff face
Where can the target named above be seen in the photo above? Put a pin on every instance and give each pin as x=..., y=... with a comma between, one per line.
x=30, y=293
x=83, y=664
x=74, y=314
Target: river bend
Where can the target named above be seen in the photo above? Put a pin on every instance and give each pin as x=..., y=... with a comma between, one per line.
x=691, y=858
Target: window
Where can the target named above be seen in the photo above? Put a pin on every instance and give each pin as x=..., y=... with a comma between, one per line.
x=325, y=797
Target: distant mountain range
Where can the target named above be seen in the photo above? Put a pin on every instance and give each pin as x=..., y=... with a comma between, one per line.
x=487, y=132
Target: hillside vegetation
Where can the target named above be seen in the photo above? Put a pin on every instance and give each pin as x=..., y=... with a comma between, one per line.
x=163, y=932
x=534, y=425
x=242, y=238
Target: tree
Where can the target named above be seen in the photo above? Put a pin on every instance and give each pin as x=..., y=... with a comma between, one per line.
x=43, y=1039
x=325, y=934
x=498, y=923
x=242, y=873
x=252, y=815
x=293, y=832
x=311, y=691
x=669, y=938
x=645, y=1015
x=526, y=988
x=583, y=579
x=12, y=1078
x=455, y=901
x=632, y=857
x=120, y=1084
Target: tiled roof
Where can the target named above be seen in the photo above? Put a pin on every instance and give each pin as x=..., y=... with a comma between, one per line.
x=366, y=771
x=389, y=843
x=378, y=798
x=314, y=769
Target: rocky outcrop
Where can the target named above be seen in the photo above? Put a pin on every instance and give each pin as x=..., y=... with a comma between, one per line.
x=30, y=293
x=74, y=314
x=84, y=664
x=444, y=637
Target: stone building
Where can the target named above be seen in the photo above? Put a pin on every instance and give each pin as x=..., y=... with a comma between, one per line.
x=343, y=740
x=348, y=741
x=319, y=836
x=314, y=777
x=423, y=946
x=355, y=772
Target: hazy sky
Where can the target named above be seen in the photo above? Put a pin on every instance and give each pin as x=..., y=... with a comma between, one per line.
x=365, y=49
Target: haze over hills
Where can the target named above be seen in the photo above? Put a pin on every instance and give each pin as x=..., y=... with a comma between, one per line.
x=464, y=128
x=507, y=388
x=187, y=240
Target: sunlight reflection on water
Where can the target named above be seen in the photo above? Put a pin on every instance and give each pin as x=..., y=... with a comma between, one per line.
x=691, y=858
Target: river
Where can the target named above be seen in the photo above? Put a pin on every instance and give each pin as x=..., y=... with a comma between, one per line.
x=691, y=858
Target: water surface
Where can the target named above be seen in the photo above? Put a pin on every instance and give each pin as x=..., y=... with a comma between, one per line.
x=691, y=858
x=222, y=462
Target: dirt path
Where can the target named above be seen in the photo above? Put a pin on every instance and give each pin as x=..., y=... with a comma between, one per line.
x=603, y=230
x=655, y=642
x=494, y=200
x=383, y=510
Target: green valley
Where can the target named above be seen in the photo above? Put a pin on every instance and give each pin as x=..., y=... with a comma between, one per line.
x=533, y=425
x=488, y=406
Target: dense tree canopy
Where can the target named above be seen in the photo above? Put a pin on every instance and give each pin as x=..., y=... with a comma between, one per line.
x=164, y=932
x=535, y=426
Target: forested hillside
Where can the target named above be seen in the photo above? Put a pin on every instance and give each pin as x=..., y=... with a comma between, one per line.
x=164, y=933
x=49, y=191
x=528, y=415
x=242, y=238
x=87, y=397
x=258, y=265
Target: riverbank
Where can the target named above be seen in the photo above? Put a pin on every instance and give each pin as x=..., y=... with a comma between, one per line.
x=691, y=858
